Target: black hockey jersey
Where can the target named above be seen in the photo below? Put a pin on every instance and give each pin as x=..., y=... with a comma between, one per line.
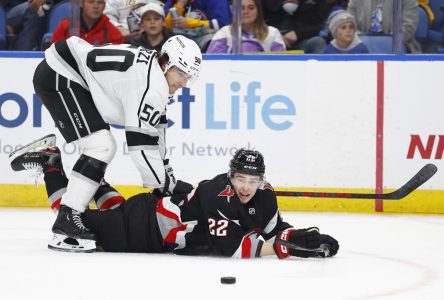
x=209, y=221
x=212, y=221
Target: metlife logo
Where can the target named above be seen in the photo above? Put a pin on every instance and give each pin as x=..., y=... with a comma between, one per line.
x=15, y=110
x=228, y=107
x=244, y=108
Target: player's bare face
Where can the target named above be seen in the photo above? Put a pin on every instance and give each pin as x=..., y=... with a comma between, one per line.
x=176, y=79
x=152, y=23
x=245, y=186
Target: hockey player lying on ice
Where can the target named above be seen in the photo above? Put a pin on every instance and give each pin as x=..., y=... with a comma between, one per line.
x=235, y=214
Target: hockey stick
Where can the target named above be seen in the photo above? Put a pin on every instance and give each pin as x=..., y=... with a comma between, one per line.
x=323, y=248
x=416, y=181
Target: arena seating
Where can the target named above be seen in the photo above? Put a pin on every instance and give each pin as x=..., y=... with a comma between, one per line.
x=2, y=29
x=59, y=12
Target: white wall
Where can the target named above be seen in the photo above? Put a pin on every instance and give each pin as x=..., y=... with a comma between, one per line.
x=315, y=121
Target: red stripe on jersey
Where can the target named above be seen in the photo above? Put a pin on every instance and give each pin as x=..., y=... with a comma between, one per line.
x=171, y=236
x=56, y=205
x=110, y=202
x=246, y=247
x=51, y=169
x=163, y=211
x=268, y=186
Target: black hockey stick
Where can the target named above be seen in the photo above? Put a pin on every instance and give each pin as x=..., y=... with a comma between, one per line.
x=323, y=248
x=416, y=181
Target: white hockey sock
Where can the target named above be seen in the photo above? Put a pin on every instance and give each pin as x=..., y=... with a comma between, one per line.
x=79, y=192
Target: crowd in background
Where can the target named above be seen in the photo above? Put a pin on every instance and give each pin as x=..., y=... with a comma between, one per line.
x=293, y=26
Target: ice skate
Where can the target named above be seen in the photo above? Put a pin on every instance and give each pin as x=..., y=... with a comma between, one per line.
x=37, y=156
x=69, y=223
x=61, y=242
x=47, y=141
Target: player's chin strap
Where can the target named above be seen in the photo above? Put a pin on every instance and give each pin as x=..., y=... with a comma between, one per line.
x=323, y=248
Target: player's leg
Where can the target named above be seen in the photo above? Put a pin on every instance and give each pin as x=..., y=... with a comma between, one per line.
x=73, y=110
x=107, y=197
x=110, y=229
x=131, y=227
x=42, y=156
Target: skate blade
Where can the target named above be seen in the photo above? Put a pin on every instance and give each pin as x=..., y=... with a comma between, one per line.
x=47, y=141
x=63, y=243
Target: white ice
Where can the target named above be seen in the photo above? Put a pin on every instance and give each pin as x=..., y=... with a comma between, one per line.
x=381, y=257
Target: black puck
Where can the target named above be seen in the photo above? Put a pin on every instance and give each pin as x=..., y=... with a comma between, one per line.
x=228, y=280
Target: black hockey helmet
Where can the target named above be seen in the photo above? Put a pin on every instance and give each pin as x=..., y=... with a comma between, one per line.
x=248, y=162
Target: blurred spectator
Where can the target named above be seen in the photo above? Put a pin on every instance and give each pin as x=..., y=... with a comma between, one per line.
x=26, y=23
x=299, y=21
x=152, y=22
x=95, y=27
x=198, y=19
x=376, y=17
x=256, y=35
x=342, y=26
x=118, y=12
x=334, y=5
x=337, y=4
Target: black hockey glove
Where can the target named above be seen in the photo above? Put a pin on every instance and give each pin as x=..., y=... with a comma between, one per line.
x=330, y=244
x=182, y=187
x=307, y=238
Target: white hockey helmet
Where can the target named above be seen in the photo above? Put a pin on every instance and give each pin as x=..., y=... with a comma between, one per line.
x=184, y=54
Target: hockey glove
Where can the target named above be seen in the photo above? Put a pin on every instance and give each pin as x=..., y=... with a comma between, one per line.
x=308, y=238
x=331, y=245
x=182, y=187
x=170, y=180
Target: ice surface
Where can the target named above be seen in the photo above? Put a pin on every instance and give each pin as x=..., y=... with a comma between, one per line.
x=381, y=257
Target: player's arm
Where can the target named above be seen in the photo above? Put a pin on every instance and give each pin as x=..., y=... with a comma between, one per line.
x=277, y=230
x=143, y=115
x=270, y=212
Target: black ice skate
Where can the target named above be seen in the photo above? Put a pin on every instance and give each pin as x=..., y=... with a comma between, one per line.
x=69, y=222
x=70, y=234
x=47, y=141
x=38, y=161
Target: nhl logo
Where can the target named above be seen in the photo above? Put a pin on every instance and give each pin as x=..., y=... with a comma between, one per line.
x=251, y=210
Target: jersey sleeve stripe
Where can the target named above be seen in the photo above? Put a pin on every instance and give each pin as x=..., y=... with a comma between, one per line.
x=251, y=246
x=272, y=223
x=142, y=148
x=163, y=119
x=149, y=130
x=140, y=139
x=246, y=247
x=64, y=52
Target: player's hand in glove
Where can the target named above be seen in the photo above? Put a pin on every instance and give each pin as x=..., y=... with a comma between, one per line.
x=308, y=238
x=173, y=186
x=330, y=244
x=170, y=180
x=182, y=187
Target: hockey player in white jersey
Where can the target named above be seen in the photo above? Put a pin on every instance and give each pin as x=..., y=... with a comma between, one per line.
x=86, y=88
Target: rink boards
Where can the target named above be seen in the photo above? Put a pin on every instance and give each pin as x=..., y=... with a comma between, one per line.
x=341, y=123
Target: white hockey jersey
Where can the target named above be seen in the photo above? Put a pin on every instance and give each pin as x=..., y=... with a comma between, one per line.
x=129, y=89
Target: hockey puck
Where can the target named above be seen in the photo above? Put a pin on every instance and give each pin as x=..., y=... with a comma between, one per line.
x=228, y=280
